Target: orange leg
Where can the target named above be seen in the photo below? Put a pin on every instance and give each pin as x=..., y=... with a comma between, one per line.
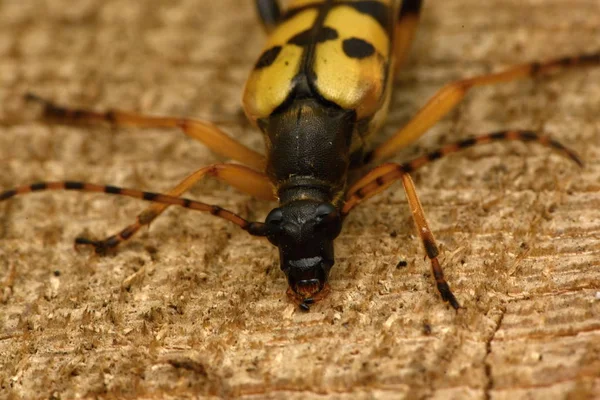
x=383, y=176
x=428, y=240
x=420, y=222
x=240, y=177
x=207, y=133
x=406, y=27
x=450, y=95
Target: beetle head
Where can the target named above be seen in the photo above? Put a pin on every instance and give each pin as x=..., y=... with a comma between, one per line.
x=304, y=231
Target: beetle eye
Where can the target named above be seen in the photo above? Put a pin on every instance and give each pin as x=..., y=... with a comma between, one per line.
x=275, y=217
x=325, y=211
x=328, y=220
x=274, y=221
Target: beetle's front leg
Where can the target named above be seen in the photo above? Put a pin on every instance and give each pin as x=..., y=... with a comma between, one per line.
x=382, y=177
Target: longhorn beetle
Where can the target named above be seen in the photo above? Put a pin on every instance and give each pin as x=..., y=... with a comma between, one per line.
x=318, y=93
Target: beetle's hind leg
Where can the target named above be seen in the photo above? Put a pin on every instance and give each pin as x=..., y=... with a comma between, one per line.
x=242, y=178
x=205, y=132
x=406, y=27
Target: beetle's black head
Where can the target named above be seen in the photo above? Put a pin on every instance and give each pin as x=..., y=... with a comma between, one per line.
x=304, y=231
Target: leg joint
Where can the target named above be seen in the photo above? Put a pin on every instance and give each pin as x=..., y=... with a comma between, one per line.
x=430, y=248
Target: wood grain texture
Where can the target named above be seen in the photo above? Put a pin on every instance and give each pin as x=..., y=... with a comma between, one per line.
x=196, y=307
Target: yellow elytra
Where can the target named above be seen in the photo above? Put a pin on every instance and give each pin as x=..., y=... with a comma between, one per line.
x=348, y=63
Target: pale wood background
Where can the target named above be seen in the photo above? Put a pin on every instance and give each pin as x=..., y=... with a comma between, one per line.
x=204, y=311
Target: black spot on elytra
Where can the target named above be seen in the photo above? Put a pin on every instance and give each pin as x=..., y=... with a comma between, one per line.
x=307, y=37
x=268, y=57
x=358, y=48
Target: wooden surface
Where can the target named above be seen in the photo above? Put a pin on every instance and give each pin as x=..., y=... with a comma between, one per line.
x=196, y=307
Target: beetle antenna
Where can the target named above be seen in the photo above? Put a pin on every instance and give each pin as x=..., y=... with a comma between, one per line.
x=253, y=228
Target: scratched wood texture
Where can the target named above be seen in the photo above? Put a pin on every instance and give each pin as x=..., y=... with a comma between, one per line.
x=195, y=307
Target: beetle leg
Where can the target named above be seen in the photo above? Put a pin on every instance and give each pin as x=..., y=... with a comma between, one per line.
x=429, y=244
x=241, y=177
x=383, y=176
x=207, y=133
x=269, y=13
x=428, y=240
x=406, y=27
x=450, y=95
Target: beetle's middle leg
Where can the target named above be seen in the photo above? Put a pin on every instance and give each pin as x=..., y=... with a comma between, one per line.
x=451, y=95
x=242, y=178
